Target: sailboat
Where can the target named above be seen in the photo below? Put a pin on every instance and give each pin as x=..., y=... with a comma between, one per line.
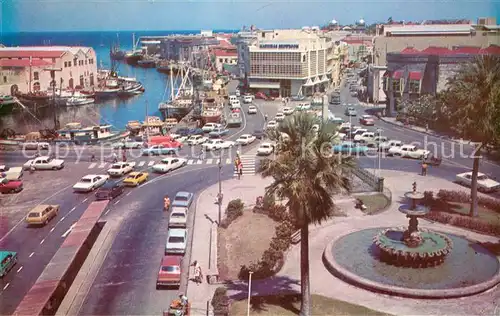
x=115, y=53
x=180, y=102
x=133, y=56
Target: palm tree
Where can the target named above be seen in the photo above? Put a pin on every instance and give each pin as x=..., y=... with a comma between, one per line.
x=306, y=175
x=472, y=104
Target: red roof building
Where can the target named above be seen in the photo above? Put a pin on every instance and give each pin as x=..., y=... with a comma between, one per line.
x=7, y=53
x=225, y=53
x=22, y=63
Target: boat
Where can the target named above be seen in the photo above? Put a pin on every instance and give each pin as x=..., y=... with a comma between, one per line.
x=75, y=100
x=39, y=96
x=115, y=53
x=181, y=101
x=211, y=110
x=133, y=56
x=146, y=62
x=7, y=102
x=76, y=133
x=108, y=88
x=130, y=89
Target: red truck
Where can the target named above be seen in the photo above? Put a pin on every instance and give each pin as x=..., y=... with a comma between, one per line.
x=166, y=141
x=10, y=186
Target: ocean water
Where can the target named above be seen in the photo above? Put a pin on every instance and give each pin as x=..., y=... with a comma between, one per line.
x=116, y=112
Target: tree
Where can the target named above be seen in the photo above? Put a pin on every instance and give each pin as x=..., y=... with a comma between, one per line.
x=472, y=104
x=423, y=109
x=306, y=175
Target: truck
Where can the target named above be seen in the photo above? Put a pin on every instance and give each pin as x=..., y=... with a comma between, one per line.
x=119, y=169
x=234, y=120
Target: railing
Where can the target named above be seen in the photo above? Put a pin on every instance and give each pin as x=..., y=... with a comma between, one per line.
x=377, y=183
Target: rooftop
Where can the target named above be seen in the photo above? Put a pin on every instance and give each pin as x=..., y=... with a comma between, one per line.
x=456, y=50
x=428, y=29
x=41, y=51
x=23, y=63
x=221, y=52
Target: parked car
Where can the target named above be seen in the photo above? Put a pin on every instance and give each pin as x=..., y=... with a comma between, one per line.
x=215, y=144
x=183, y=199
x=259, y=134
x=178, y=217
x=350, y=111
x=279, y=117
x=408, y=151
x=265, y=149
x=271, y=124
x=136, y=178
x=176, y=241
x=35, y=145
x=44, y=163
x=350, y=148
x=245, y=139
x=184, y=131
x=366, y=120
x=288, y=110
x=109, y=191
x=218, y=132
x=11, y=173
x=169, y=164
x=376, y=141
x=170, y=272
x=41, y=214
x=160, y=150
x=119, y=169
x=196, y=140
x=252, y=109
x=390, y=143
x=179, y=138
x=484, y=183
x=90, y=182
x=210, y=127
x=303, y=106
x=8, y=259
x=364, y=137
x=10, y=186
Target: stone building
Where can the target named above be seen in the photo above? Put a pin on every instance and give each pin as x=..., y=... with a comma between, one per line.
x=225, y=58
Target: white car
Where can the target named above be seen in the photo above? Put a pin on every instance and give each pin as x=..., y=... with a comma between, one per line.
x=288, y=110
x=246, y=139
x=196, y=140
x=90, y=182
x=303, y=106
x=279, y=117
x=178, y=217
x=176, y=241
x=237, y=93
x=179, y=138
x=235, y=104
x=44, y=163
x=119, y=169
x=214, y=144
x=484, y=183
x=207, y=128
x=11, y=173
x=35, y=145
x=408, y=151
x=365, y=137
x=265, y=149
x=247, y=98
x=272, y=124
x=169, y=164
x=315, y=128
x=385, y=146
x=252, y=109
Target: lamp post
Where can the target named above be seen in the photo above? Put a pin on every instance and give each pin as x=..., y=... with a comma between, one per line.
x=219, y=197
x=379, y=131
x=249, y=291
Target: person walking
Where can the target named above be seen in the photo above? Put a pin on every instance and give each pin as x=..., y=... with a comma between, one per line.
x=424, y=168
x=198, y=275
x=240, y=169
x=114, y=157
x=92, y=155
x=124, y=155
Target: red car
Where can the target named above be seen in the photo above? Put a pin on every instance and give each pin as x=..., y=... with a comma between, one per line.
x=10, y=186
x=261, y=95
x=235, y=110
x=170, y=272
x=366, y=120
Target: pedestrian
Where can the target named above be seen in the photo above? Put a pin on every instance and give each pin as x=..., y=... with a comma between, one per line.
x=424, y=168
x=114, y=157
x=202, y=154
x=265, y=117
x=92, y=155
x=198, y=275
x=240, y=170
x=124, y=155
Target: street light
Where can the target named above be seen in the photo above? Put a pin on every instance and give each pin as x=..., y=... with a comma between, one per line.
x=379, y=131
x=249, y=291
x=219, y=197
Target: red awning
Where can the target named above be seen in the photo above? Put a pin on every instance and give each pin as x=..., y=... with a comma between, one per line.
x=386, y=74
x=397, y=75
x=415, y=75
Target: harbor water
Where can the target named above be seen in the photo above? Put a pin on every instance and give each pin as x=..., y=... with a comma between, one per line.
x=116, y=112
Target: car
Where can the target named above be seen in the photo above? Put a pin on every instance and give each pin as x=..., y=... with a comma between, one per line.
x=390, y=143
x=246, y=139
x=271, y=124
x=340, y=136
x=183, y=199
x=364, y=137
x=247, y=98
x=210, y=127
x=10, y=186
x=185, y=131
x=41, y=214
x=350, y=111
x=298, y=98
x=408, y=151
x=218, y=132
x=44, y=163
x=169, y=164
x=170, y=272
x=259, y=134
x=237, y=93
x=109, y=191
x=235, y=104
x=366, y=120
x=160, y=150
x=350, y=148
x=303, y=107
x=265, y=149
x=90, y=182
x=288, y=110
x=35, y=145
x=215, y=144
x=356, y=131
x=176, y=241
x=196, y=140
x=252, y=109
x=178, y=217
x=484, y=183
x=279, y=117
x=11, y=173
x=232, y=98
x=8, y=259
x=261, y=95
x=179, y=138
x=136, y=178
x=119, y=169
x=128, y=145
x=376, y=141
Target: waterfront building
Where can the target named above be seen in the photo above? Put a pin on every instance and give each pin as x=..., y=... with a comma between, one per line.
x=287, y=62
x=395, y=38
x=25, y=68
x=225, y=59
x=242, y=40
x=411, y=72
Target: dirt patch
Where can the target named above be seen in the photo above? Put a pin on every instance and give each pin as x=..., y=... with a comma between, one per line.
x=243, y=242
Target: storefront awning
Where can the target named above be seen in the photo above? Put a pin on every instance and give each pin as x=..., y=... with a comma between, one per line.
x=386, y=74
x=316, y=80
x=415, y=75
x=325, y=78
x=308, y=83
x=265, y=85
x=397, y=75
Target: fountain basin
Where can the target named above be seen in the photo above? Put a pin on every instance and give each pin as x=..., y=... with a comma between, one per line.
x=468, y=270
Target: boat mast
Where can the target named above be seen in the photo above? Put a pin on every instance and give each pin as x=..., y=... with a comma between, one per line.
x=147, y=123
x=133, y=42
x=171, y=84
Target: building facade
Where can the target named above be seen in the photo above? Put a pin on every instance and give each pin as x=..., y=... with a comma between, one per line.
x=288, y=62
x=412, y=73
x=224, y=58
x=242, y=40
x=26, y=69
x=183, y=48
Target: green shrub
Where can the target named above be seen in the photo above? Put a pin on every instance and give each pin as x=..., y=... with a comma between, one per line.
x=233, y=211
x=464, y=197
x=464, y=222
x=220, y=302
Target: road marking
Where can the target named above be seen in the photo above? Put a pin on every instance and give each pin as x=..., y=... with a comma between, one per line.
x=62, y=218
x=151, y=163
x=31, y=254
x=190, y=162
x=128, y=193
x=117, y=202
x=66, y=233
x=106, y=213
x=6, y=286
x=199, y=162
x=141, y=163
x=92, y=165
x=19, y=270
x=43, y=240
x=102, y=165
x=209, y=161
x=52, y=229
x=85, y=200
x=74, y=208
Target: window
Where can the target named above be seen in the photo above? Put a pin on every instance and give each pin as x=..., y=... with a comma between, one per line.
x=65, y=64
x=396, y=85
x=220, y=60
x=4, y=79
x=414, y=86
x=69, y=64
x=36, y=76
x=85, y=61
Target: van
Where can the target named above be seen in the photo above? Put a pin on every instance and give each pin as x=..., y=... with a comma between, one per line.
x=8, y=259
x=232, y=98
x=235, y=105
x=42, y=214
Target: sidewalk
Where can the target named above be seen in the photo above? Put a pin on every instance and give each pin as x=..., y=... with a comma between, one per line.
x=322, y=282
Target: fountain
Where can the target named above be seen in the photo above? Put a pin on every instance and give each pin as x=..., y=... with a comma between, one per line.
x=412, y=261
x=413, y=247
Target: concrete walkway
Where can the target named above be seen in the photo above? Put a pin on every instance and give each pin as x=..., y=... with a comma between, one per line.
x=322, y=282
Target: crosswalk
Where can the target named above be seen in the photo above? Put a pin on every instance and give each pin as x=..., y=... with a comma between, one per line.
x=150, y=163
x=248, y=162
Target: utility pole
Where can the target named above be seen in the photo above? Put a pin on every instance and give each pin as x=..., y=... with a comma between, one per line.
x=219, y=198
x=52, y=71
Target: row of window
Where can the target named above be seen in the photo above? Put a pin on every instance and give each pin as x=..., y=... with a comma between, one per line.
x=277, y=70
x=398, y=85
x=278, y=56
x=80, y=62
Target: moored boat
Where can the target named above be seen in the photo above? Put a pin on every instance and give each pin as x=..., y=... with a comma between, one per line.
x=146, y=63
x=75, y=100
x=76, y=133
x=211, y=110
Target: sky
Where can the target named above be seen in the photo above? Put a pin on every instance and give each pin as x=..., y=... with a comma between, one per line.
x=122, y=15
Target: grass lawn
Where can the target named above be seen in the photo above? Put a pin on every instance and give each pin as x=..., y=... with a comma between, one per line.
x=243, y=242
x=484, y=214
x=374, y=203
x=288, y=305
